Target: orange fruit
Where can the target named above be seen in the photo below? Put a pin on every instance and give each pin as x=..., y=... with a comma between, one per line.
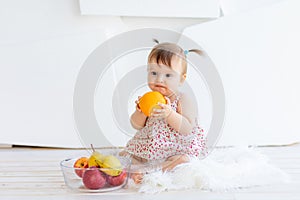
x=149, y=101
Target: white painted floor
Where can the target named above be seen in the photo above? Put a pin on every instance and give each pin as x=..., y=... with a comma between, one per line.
x=34, y=173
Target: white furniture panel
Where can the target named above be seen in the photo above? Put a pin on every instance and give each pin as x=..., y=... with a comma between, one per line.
x=153, y=8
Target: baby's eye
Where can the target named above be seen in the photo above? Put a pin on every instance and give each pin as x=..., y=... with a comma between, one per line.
x=168, y=75
x=153, y=73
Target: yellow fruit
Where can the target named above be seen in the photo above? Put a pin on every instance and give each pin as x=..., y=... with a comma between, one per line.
x=111, y=165
x=96, y=159
x=149, y=101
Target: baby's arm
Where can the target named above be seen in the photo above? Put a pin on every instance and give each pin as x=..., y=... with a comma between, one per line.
x=182, y=121
x=138, y=118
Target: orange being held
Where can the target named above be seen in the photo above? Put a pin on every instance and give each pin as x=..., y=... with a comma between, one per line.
x=149, y=101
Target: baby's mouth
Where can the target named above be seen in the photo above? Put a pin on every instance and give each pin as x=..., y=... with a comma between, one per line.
x=160, y=86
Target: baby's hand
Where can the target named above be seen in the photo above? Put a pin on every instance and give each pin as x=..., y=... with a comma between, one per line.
x=137, y=102
x=164, y=111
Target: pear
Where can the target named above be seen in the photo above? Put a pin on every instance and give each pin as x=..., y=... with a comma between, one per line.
x=111, y=165
x=96, y=159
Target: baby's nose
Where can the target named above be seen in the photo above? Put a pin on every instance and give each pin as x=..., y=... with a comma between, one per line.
x=160, y=78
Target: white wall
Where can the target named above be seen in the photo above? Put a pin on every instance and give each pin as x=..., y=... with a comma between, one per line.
x=257, y=56
x=44, y=43
x=230, y=7
x=42, y=47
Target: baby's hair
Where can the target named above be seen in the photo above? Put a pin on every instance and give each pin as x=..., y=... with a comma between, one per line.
x=164, y=52
x=156, y=41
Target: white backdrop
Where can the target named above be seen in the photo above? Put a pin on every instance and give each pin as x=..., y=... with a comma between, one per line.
x=257, y=56
x=42, y=47
x=44, y=43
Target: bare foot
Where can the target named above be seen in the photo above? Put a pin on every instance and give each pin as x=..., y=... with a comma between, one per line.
x=137, y=177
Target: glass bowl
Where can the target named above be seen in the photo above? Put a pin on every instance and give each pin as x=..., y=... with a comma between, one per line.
x=95, y=179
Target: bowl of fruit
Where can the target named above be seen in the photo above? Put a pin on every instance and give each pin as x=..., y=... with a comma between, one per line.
x=101, y=171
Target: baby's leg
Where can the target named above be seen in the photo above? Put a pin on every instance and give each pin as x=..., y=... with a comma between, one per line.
x=167, y=165
x=173, y=161
x=137, y=176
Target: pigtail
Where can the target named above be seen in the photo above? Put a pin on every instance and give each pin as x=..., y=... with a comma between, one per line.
x=197, y=51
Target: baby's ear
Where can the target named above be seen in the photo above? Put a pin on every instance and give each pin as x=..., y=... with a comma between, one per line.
x=183, y=77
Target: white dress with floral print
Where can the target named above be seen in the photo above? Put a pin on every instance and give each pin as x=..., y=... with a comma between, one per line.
x=157, y=140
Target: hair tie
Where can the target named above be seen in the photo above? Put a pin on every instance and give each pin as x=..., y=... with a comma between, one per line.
x=186, y=52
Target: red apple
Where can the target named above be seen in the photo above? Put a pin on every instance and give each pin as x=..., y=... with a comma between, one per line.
x=80, y=165
x=117, y=180
x=93, y=178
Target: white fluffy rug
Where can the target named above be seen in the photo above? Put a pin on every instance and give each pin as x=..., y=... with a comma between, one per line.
x=224, y=169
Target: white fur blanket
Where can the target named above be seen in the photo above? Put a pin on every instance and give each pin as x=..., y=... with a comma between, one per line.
x=224, y=169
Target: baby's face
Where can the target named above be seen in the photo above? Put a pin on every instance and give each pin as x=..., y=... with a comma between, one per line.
x=165, y=79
